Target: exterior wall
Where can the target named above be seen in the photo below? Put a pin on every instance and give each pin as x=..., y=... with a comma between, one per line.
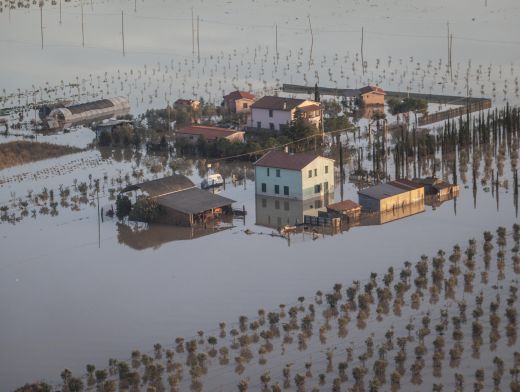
x=368, y=203
x=290, y=178
x=393, y=202
x=280, y=117
x=238, y=105
x=321, y=178
x=301, y=186
x=372, y=99
x=171, y=216
x=315, y=118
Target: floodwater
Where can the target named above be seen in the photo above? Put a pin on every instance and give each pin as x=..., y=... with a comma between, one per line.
x=71, y=294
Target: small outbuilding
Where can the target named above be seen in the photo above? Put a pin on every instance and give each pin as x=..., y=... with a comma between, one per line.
x=344, y=209
x=181, y=202
x=86, y=112
x=195, y=132
x=437, y=187
x=391, y=195
x=371, y=95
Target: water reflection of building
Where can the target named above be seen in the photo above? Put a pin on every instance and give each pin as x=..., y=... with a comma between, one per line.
x=141, y=236
x=275, y=212
x=382, y=217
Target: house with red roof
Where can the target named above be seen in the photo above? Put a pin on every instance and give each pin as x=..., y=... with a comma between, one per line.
x=371, y=96
x=276, y=113
x=238, y=102
x=297, y=176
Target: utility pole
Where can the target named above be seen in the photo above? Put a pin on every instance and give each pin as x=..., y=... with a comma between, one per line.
x=60, y=11
x=135, y=5
x=123, y=31
x=82, y=27
x=362, y=54
x=192, y=34
x=198, y=40
x=99, y=222
x=276, y=35
x=312, y=42
x=41, y=22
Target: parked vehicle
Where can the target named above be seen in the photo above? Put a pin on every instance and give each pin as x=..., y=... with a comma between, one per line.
x=213, y=180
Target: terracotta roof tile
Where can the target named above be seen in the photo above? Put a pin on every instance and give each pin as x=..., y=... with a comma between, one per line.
x=371, y=89
x=234, y=95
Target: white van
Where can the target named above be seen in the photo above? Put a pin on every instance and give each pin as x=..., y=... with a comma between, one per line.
x=211, y=181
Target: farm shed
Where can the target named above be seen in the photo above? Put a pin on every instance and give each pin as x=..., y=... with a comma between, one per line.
x=344, y=209
x=90, y=111
x=391, y=195
x=182, y=203
x=195, y=132
x=437, y=187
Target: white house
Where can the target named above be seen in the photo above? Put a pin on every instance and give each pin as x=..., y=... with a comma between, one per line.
x=275, y=113
x=294, y=176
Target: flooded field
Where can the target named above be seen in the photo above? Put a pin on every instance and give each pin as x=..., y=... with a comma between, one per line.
x=76, y=289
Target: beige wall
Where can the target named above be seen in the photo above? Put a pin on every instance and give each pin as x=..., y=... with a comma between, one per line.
x=372, y=99
x=402, y=199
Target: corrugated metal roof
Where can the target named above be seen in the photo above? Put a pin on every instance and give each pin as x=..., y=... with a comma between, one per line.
x=163, y=186
x=381, y=191
x=283, y=160
x=406, y=184
x=84, y=107
x=193, y=201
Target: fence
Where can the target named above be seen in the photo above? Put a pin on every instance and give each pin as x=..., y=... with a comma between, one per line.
x=454, y=113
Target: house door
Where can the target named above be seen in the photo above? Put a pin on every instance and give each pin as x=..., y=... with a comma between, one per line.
x=326, y=187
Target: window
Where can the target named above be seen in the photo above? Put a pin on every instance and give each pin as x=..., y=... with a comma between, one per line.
x=310, y=173
x=244, y=106
x=264, y=187
x=267, y=172
x=270, y=112
x=277, y=189
x=271, y=126
x=264, y=203
x=279, y=221
x=259, y=124
x=317, y=188
x=318, y=204
x=277, y=204
x=315, y=172
x=326, y=170
x=286, y=190
x=286, y=205
x=277, y=172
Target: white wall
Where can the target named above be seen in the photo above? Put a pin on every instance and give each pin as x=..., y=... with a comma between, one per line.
x=299, y=183
x=320, y=179
x=280, y=117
